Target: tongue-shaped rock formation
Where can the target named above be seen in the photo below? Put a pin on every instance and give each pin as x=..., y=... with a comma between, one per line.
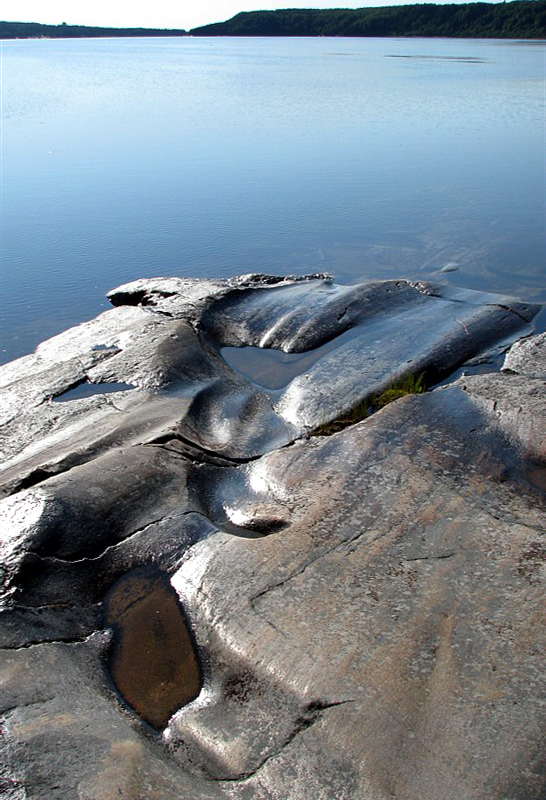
x=204, y=599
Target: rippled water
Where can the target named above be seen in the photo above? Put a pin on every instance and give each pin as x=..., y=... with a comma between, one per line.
x=367, y=158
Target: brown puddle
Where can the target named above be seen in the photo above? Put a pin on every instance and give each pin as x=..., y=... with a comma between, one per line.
x=152, y=660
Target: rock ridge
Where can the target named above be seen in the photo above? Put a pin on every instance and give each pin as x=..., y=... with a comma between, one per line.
x=202, y=600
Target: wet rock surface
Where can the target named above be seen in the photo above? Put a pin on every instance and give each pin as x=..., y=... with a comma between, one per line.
x=202, y=599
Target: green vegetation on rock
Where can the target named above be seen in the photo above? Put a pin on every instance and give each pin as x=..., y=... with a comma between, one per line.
x=408, y=385
x=411, y=384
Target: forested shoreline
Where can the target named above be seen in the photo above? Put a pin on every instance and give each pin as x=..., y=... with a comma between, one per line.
x=519, y=19
x=35, y=30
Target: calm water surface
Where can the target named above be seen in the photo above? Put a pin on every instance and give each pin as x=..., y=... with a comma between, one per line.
x=366, y=158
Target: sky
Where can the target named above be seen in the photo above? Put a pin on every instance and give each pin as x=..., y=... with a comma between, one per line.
x=158, y=13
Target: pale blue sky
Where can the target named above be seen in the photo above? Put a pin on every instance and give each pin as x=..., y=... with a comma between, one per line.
x=156, y=13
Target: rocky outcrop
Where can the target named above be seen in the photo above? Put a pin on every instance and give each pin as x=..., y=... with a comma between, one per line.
x=203, y=599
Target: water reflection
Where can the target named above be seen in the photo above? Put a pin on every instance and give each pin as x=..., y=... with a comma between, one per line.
x=273, y=369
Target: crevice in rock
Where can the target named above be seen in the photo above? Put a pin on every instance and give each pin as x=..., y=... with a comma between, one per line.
x=343, y=313
x=510, y=520
x=43, y=607
x=41, y=643
x=191, y=453
x=41, y=474
x=28, y=704
x=512, y=311
x=293, y=575
x=89, y=559
x=439, y=557
x=278, y=585
x=371, y=403
x=271, y=624
x=311, y=714
x=338, y=546
x=196, y=454
x=432, y=291
x=35, y=477
x=219, y=460
x=351, y=544
x=22, y=625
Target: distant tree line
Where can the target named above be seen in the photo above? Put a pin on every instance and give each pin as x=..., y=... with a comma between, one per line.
x=519, y=19
x=34, y=30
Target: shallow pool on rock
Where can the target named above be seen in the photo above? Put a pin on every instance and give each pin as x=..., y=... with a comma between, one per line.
x=87, y=389
x=152, y=661
x=274, y=369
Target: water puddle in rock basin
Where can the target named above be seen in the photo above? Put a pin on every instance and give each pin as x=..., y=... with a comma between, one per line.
x=87, y=389
x=274, y=369
x=152, y=660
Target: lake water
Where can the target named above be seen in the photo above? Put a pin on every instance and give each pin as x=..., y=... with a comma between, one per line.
x=365, y=158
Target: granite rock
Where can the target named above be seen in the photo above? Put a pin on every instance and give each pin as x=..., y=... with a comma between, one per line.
x=203, y=599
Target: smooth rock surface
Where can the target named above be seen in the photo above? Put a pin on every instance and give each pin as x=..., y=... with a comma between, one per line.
x=358, y=616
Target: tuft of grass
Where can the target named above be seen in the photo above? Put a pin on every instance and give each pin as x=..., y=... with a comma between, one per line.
x=411, y=384
x=356, y=414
